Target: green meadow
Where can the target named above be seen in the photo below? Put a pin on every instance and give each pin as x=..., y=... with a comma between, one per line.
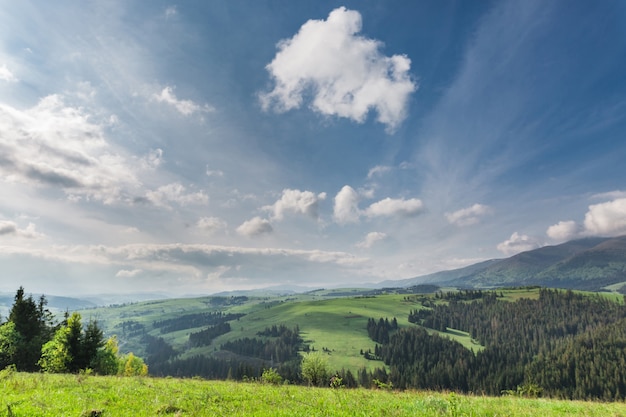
x=53, y=395
x=335, y=324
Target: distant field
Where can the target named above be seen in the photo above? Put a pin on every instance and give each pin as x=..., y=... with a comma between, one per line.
x=45, y=395
x=335, y=324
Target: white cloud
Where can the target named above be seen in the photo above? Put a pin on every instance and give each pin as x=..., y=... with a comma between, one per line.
x=378, y=170
x=175, y=193
x=603, y=219
x=371, y=239
x=9, y=228
x=128, y=273
x=606, y=219
x=211, y=224
x=185, y=107
x=395, y=207
x=468, y=216
x=518, y=243
x=346, y=208
x=296, y=201
x=6, y=75
x=59, y=147
x=345, y=72
x=255, y=227
x=564, y=230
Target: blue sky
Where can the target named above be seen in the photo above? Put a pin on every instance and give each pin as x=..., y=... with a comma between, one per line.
x=193, y=147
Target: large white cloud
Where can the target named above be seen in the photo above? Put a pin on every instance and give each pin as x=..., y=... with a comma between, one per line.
x=564, y=230
x=296, y=201
x=57, y=146
x=518, y=243
x=254, y=227
x=395, y=207
x=606, y=219
x=346, y=208
x=469, y=215
x=602, y=219
x=345, y=73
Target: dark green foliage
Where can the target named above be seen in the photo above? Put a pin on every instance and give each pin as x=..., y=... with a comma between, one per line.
x=206, y=336
x=284, y=347
x=189, y=321
x=31, y=327
x=563, y=344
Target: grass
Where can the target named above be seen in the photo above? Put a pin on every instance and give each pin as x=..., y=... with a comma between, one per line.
x=39, y=395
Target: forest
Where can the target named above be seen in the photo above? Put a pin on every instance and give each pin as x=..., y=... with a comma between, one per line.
x=563, y=344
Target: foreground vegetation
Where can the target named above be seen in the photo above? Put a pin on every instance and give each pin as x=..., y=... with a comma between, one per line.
x=39, y=395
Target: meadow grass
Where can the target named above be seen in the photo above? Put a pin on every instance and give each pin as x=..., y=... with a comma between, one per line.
x=36, y=395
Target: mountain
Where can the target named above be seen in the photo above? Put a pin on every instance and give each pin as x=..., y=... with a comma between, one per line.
x=585, y=264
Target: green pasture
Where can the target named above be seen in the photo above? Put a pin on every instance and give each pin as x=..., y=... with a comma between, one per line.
x=48, y=395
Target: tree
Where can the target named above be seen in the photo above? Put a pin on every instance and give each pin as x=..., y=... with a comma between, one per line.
x=315, y=369
x=9, y=341
x=33, y=323
x=131, y=365
x=72, y=349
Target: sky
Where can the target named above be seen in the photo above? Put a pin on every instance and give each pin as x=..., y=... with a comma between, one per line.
x=194, y=147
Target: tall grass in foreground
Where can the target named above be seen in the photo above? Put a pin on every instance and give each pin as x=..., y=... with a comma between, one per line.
x=34, y=395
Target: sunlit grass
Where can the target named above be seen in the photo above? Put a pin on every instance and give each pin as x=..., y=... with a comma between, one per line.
x=36, y=395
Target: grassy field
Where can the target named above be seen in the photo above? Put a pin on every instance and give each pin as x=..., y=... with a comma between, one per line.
x=39, y=395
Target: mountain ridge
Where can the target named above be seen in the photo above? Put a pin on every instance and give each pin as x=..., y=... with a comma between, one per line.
x=591, y=263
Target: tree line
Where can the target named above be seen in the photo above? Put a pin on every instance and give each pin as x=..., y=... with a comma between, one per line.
x=31, y=340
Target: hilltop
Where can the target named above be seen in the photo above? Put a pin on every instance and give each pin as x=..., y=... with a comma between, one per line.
x=592, y=264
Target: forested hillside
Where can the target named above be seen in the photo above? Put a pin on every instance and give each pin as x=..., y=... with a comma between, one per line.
x=562, y=344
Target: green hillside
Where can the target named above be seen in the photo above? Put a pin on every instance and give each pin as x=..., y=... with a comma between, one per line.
x=326, y=321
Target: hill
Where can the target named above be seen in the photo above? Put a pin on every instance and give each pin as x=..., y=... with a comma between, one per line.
x=592, y=264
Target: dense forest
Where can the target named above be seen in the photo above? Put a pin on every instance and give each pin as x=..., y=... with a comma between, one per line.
x=562, y=344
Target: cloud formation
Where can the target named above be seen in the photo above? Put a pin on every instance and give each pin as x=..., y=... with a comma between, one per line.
x=564, y=230
x=606, y=219
x=390, y=207
x=255, y=227
x=296, y=201
x=346, y=208
x=185, y=107
x=518, y=243
x=9, y=228
x=57, y=146
x=346, y=73
x=602, y=219
x=211, y=224
x=371, y=239
x=6, y=75
x=468, y=216
x=176, y=193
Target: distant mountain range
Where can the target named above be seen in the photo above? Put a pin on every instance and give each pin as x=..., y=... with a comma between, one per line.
x=585, y=264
